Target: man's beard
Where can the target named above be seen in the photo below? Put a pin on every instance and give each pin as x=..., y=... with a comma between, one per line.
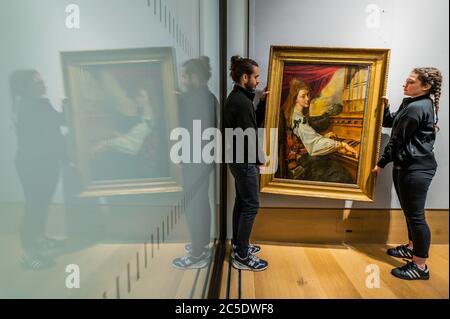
x=250, y=88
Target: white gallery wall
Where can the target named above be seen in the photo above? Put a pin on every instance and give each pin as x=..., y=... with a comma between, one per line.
x=416, y=31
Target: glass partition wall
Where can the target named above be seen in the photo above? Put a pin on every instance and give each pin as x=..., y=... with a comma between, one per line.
x=101, y=196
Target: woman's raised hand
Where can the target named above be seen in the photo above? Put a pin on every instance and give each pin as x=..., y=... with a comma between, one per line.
x=377, y=170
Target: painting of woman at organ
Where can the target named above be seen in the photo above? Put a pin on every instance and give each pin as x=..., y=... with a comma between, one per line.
x=321, y=122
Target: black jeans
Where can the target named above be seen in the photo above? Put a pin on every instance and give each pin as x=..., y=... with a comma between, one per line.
x=246, y=205
x=198, y=214
x=412, y=188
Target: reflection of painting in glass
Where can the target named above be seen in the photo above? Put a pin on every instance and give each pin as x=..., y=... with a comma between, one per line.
x=321, y=121
x=123, y=109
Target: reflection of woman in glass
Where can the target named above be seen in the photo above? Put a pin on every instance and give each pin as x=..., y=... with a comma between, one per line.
x=39, y=155
x=306, y=148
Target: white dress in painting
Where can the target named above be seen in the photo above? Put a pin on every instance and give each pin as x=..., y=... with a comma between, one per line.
x=315, y=144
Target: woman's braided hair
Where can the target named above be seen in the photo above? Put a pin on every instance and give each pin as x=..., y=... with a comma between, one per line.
x=433, y=77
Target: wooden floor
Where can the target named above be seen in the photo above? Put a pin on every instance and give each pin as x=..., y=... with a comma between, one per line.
x=107, y=270
x=333, y=272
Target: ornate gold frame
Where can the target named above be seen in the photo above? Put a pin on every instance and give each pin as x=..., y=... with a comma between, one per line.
x=378, y=62
x=71, y=64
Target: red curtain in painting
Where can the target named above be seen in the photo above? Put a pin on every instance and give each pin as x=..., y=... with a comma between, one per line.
x=316, y=76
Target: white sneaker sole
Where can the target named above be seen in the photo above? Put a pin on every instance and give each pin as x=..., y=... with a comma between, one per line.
x=199, y=265
x=238, y=265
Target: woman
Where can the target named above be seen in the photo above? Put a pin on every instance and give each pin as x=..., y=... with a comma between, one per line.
x=410, y=148
x=39, y=155
x=300, y=131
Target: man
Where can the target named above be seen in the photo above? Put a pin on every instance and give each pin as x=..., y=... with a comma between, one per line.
x=197, y=102
x=244, y=164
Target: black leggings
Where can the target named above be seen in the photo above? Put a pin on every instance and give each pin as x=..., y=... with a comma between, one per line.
x=412, y=188
x=39, y=184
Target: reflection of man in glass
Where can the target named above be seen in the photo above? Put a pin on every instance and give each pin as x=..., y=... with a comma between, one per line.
x=197, y=103
x=40, y=153
x=306, y=149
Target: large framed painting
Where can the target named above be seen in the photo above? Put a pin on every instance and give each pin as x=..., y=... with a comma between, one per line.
x=326, y=106
x=122, y=107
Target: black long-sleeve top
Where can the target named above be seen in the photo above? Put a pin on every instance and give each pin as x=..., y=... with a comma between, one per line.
x=240, y=113
x=40, y=142
x=200, y=105
x=413, y=135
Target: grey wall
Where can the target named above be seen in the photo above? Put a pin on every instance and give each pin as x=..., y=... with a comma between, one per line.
x=416, y=31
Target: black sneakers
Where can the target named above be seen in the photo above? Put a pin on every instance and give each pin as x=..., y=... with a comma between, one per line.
x=401, y=252
x=252, y=263
x=411, y=271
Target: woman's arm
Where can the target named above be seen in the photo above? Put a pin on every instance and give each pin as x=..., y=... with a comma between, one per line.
x=129, y=143
x=407, y=125
x=388, y=118
x=315, y=144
